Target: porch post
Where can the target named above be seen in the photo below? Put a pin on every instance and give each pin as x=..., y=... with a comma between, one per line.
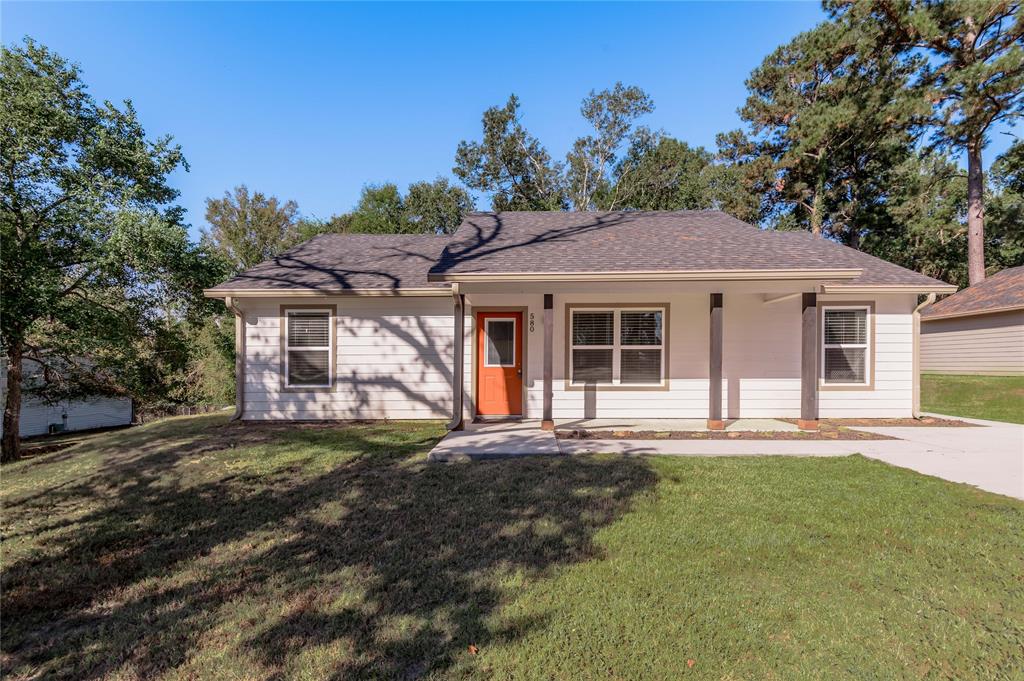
x=548, y=422
x=715, y=421
x=809, y=363
x=459, y=340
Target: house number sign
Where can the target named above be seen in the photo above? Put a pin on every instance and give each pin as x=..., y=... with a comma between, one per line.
x=531, y=322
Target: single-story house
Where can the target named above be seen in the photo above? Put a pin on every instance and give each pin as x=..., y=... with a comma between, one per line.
x=39, y=418
x=979, y=330
x=565, y=315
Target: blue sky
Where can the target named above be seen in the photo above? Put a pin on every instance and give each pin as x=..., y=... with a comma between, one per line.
x=310, y=101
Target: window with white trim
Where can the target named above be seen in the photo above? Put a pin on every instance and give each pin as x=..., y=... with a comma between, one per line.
x=845, y=346
x=308, y=347
x=617, y=346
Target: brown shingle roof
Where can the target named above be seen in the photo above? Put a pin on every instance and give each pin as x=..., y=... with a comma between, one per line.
x=560, y=242
x=648, y=241
x=1001, y=291
x=332, y=262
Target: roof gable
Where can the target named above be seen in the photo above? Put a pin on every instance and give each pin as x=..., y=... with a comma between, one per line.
x=649, y=241
x=1002, y=291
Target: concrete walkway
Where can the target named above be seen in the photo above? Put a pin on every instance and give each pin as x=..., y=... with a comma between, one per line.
x=990, y=456
x=496, y=440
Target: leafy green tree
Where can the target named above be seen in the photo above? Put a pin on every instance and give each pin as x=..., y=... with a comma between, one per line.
x=381, y=210
x=828, y=120
x=968, y=61
x=427, y=208
x=921, y=223
x=612, y=113
x=510, y=164
x=246, y=229
x=1004, y=233
x=661, y=173
x=93, y=247
x=436, y=207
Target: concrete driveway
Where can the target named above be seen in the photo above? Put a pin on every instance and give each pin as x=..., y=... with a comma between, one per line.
x=990, y=456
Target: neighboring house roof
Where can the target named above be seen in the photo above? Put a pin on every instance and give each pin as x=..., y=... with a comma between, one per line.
x=339, y=262
x=1001, y=292
x=565, y=245
x=517, y=243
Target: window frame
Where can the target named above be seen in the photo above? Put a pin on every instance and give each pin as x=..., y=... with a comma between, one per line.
x=331, y=348
x=869, y=345
x=487, y=335
x=617, y=346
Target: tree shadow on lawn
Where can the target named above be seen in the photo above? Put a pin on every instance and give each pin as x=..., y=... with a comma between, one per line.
x=384, y=564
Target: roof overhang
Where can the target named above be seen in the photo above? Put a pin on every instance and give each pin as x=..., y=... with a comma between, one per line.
x=680, y=275
x=971, y=313
x=888, y=288
x=438, y=292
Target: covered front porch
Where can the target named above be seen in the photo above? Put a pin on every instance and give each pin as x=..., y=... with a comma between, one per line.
x=704, y=352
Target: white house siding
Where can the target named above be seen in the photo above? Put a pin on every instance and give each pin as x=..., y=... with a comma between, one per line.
x=761, y=358
x=37, y=416
x=893, y=393
x=989, y=344
x=394, y=359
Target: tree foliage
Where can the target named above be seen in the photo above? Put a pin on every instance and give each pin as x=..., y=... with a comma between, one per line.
x=612, y=113
x=246, y=229
x=824, y=126
x=510, y=164
x=659, y=172
x=93, y=246
x=427, y=208
x=967, y=58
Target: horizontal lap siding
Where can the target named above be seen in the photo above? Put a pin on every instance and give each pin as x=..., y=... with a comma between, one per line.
x=893, y=392
x=101, y=412
x=982, y=344
x=394, y=358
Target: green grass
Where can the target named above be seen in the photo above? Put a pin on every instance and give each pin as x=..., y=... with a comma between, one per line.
x=997, y=398
x=194, y=548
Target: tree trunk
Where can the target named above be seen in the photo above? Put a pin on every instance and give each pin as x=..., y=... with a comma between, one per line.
x=975, y=213
x=816, y=217
x=11, y=450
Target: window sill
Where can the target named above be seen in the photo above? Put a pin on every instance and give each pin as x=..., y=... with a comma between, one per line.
x=615, y=387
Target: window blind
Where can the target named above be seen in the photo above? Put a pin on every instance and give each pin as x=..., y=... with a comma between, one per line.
x=308, y=349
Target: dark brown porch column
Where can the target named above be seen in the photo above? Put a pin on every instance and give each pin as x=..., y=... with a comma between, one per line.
x=715, y=421
x=809, y=363
x=548, y=423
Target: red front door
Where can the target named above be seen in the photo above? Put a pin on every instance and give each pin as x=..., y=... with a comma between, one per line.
x=499, y=361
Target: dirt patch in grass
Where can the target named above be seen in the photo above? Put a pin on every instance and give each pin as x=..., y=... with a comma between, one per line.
x=827, y=432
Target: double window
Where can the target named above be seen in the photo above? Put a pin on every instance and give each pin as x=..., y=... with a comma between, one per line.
x=617, y=346
x=308, y=348
x=846, y=350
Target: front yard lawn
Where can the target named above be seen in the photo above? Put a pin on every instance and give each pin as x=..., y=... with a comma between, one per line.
x=997, y=398
x=197, y=548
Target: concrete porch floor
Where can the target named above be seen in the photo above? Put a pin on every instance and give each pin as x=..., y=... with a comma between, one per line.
x=525, y=438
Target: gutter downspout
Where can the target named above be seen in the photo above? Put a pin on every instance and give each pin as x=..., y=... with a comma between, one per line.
x=239, y=358
x=917, y=353
x=457, y=369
